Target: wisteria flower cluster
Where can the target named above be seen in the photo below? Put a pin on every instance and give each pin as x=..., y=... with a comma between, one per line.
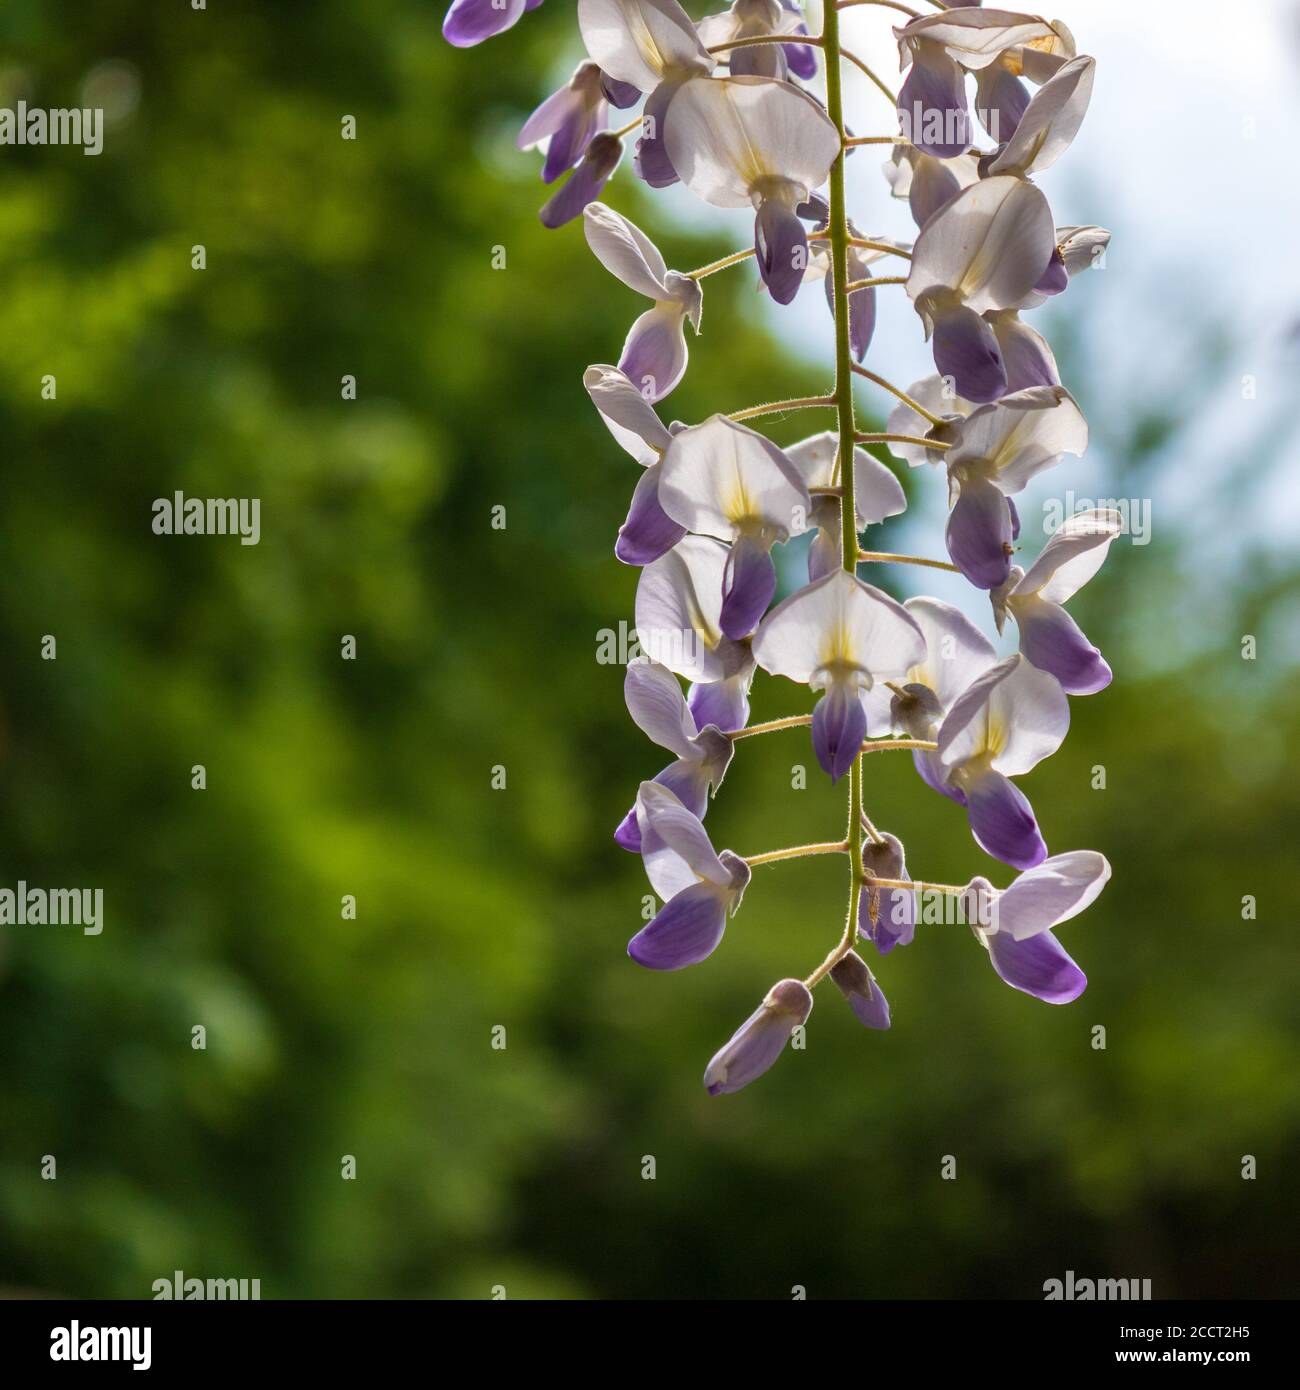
x=746, y=110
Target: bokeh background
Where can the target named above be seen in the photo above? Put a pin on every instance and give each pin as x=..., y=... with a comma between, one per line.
x=480, y=908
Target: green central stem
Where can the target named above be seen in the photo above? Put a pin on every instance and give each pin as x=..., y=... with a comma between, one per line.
x=839, y=237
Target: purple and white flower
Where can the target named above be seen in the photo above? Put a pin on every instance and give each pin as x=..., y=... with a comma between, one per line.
x=700, y=887
x=753, y=141
x=839, y=635
x=725, y=480
x=1003, y=725
x=654, y=355
x=1049, y=637
x=761, y=1039
x=1015, y=926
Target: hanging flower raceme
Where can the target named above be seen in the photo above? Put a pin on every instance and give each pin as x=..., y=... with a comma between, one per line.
x=761, y=1039
x=986, y=248
x=725, y=480
x=995, y=451
x=679, y=623
x=1002, y=726
x=1049, y=637
x=651, y=45
x=659, y=709
x=654, y=355
x=724, y=112
x=469, y=22
x=839, y=635
x=1015, y=926
x=753, y=141
x=700, y=887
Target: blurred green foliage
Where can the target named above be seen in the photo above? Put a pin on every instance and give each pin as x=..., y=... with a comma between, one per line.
x=327, y=1037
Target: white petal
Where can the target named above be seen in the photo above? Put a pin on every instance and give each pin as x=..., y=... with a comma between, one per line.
x=678, y=601
x=628, y=416
x=937, y=395
x=877, y=491
x=838, y=625
x=989, y=245
x=1081, y=247
x=1072, y=556
x=637, y=41
x=656, y=703
x=976, y=37
x=726, y=137
x=956, y=651
x=1014, y=714
x=675, y=847
x=1012, y=439
x=1029, y=716
x=625, y=251
x=1056, y=890
x=1051, y=121
x=721, y=478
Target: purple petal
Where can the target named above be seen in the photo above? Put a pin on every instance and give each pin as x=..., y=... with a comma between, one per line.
x=748, y=583
x=688, y=779
x=1055, y=278
x=932, y=105
x=570, y=139
x=619, y=94
x=864, y=995
x=1026, y=357
x=654, y=356
x=1002, y=821
x=760, y=1040
x=1000, y=101
x=979, y=533
x=685, y=931
x=966, y=349
x=1014, y=514
x=724, y=703
x=895, y=921
x=1039, y=966
x=933, y=183
x=471, y=21
x=585, y=183
x=649, y=531
x=824, y=554
x=781, y=250
x=930, y=769
x=862, y=321
x=866, y=998
x=651, y=160
x=1054, y=642
x=801, y=59
x=839, y=725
